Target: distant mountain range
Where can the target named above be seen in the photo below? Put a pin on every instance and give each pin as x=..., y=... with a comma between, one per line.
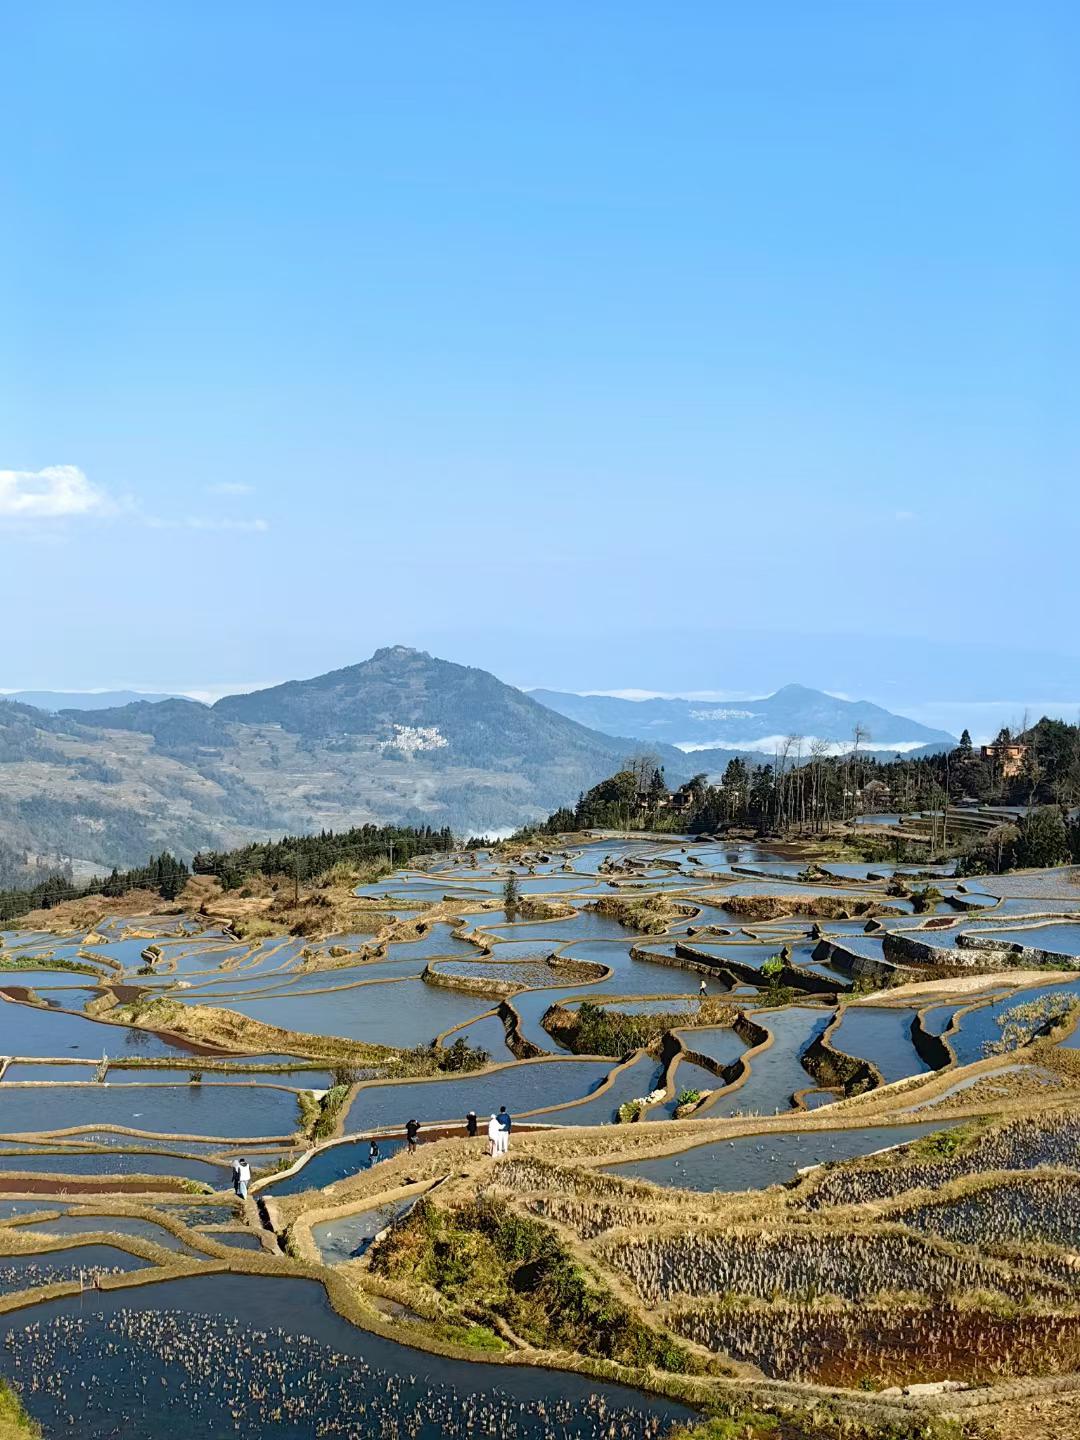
x=54, y=700
x=747, y=725
x=402, y=736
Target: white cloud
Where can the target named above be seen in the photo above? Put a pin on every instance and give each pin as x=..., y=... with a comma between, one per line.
x=60, y=492
x=230, y=487
x=774, y=744
x=904, y=515
x=57, y=492
x=632, y=694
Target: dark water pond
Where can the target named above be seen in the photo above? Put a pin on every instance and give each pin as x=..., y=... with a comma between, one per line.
x=638, y=978
x=330, y=1165
x=59, y=980
x=1062, y=939
x=882, y=1035
x=818, y=1099
x=687, y=1076
x=349, y=1236
x=586, y=925
x=204, y=1356
x=405, y=1013
x=10, y=1209
x=488, y=1033
x=776, y=1074
x=67, y=1074
x=108, y=1224
x=115, y=1163
x=21, y=1272
x=756, y=1161
x=205, y=1109
x=638, y=1079
x=717, y=1042
x=438, y=940
x=33, y=1030
x=980, y=1027
x=238, y=1239
x=404, y=968
x=294, y=1079
x=938, y=1018
x=528, y=1086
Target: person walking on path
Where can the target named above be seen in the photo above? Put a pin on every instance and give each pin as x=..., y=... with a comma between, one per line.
x=241, y=1178
x=412, y=1129
x=505, y=1126
x=703, y=991
x=373, y=1156
x=494, y=1132
x=471, y=1127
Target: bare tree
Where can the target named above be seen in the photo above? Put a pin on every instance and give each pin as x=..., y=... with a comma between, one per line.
x=859, y=735
x=819, y=793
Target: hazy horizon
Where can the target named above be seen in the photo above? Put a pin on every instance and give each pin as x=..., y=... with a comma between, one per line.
x=982, y=717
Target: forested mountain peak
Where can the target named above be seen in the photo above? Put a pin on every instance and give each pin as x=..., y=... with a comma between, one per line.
x=401, y=688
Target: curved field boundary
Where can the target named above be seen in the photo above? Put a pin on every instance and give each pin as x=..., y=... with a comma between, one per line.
x=758, y=1038
x=543, y=1059
x=835, y=1069
x=793, y=976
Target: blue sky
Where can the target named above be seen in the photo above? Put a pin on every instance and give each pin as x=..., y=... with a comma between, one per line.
x=698, y=347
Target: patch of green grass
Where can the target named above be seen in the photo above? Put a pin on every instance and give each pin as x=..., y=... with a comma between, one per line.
x=14, y=1420
x=28, y=962
x=820, y=1423
x=943, y=1144
x=486, y=1259
x=473, y=1337
x=328, y=1111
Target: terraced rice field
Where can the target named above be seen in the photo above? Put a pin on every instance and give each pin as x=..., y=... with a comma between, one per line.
x=774, y=1235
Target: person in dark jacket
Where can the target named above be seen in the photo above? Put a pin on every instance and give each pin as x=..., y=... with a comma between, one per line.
x=471, y=1128
x=505, y=1125
x=412, y=1129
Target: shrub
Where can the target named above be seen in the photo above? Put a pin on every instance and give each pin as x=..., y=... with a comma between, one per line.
x=489, y=1260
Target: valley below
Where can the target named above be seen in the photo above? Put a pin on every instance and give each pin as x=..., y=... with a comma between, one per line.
x=784, y=1152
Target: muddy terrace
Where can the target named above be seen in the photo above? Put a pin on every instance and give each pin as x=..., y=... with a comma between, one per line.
x=776, y=1136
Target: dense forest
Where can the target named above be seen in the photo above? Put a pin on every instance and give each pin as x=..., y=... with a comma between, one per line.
x=305, y=856
x=302, y=857
x=163, y=873
x=808, y=793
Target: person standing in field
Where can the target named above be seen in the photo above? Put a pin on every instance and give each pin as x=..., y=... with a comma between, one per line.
x=471, y=1127
x=505, y=1126
x=412, y=1129
x=242, y=1178
x=494, y=1132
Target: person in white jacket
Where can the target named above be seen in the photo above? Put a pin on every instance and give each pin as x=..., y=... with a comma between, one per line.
x=495, y=1131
